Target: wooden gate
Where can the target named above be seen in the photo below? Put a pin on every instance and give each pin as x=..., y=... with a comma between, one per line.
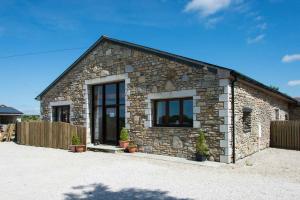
x=285, y=134
x=48, y=134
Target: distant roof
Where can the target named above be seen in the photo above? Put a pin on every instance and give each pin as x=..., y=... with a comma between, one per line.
x=167, y=55
x=4, y=110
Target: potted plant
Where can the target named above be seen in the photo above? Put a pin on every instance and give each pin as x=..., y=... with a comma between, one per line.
x=132, y=147
x=76, y=146
x=202, y=150
x=124, y=138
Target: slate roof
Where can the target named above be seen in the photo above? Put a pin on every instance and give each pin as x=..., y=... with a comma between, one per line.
x=4, y=110
x=168, y=55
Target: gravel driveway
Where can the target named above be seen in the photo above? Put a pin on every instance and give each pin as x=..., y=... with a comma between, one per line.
x=41, y=173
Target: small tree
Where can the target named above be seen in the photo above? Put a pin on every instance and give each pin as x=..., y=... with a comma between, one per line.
x=201, y=146
x=124, y=136
x=274, y=87
x=75, y=140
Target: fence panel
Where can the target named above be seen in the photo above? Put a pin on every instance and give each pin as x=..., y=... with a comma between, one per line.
x=285, y=134
x=48, y=134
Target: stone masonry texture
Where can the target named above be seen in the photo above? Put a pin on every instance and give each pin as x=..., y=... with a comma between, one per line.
x=263, y=112
x=150, y=73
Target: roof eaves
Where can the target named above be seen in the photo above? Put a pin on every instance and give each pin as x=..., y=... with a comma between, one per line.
x=255, y=82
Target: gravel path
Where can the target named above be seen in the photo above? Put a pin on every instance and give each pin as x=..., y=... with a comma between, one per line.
x=41, y=173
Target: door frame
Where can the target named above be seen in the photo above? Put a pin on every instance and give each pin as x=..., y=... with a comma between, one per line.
x=104, y=108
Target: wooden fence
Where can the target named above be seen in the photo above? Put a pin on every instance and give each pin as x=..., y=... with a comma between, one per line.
x=48, y=134
x=285, y=134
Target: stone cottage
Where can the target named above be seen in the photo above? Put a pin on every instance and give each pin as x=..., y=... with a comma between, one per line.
x=164, y=100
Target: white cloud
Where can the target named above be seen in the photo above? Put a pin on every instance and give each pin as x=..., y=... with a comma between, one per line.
x=291, y=58
x=211, y=23
x=294, y=83
x=262, y=26
x=207, y=7
x=256, y=39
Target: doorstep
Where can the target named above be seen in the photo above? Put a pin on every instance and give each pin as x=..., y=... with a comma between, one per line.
x=175, y=159
x=105, y=148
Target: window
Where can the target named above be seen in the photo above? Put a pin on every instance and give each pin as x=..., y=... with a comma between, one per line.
x=286, y=117
x=61, y=114
x=173, y=112
x=277, y=114
x=247, y=120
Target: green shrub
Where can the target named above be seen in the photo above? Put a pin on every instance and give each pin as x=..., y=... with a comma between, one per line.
x=75, y=140
x=201, y=146
x=124, y=136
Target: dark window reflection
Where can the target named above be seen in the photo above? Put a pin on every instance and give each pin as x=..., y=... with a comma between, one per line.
x=188, y=112
x=98, y=95
x=61, y=114
x=122, y=93
x=122, y=117
x=174, y=112
x=161, y=112
x=110, y=94
x=174, y=108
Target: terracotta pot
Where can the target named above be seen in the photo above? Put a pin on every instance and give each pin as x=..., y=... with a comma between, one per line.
x=123, y=144
x=132, y=149
x=72, y=148
x=80, y=148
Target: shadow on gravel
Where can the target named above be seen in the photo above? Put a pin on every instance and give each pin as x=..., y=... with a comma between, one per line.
x=100, y=191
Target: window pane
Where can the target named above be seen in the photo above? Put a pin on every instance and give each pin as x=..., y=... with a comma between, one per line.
x=110, y=94
x=61, y=113
x=111, y=125
x=98, y=95
x=122, y=93
x=122, y=117
x=161, y=112
x=54, y=114
x=174, y=110
x=187, y=117
x=58, y=113
x=65, y=114
x=98, y=123
x=247, y=121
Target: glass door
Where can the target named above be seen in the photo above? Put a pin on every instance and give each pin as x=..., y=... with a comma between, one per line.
x=111, y=133
x=108, y=112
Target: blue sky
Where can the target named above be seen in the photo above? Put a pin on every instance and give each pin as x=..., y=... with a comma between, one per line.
x=259, y=38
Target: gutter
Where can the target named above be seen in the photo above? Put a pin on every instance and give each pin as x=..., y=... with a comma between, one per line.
x=233, y=121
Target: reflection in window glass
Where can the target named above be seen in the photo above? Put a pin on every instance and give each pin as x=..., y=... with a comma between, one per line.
x=98, y=123
x=174, y=109
x=61, y=114
x=187, y=112
x=122, y=93
x=98, y=95
x=122, y=117
x=161, y=112
x=110, y=94
x=174, y=112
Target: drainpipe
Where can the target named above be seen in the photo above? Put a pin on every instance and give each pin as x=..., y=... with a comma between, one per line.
x=233, y=121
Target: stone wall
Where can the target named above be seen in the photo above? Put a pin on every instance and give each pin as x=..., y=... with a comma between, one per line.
x=148, y=73
x=263, y=107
